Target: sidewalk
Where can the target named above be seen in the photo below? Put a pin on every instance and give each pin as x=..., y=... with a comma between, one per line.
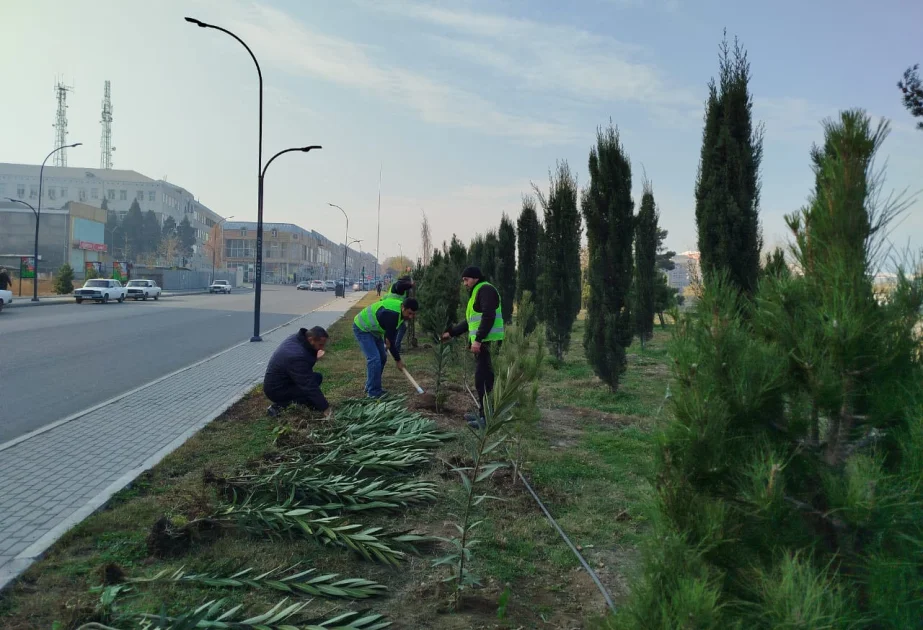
x=53, y=478
x=26, y=300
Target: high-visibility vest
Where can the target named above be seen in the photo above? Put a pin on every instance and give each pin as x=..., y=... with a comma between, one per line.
x=474, y=318
x=367, y=319
x=391, y=295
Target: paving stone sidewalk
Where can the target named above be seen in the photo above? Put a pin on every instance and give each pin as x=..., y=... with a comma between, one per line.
x=51, y=481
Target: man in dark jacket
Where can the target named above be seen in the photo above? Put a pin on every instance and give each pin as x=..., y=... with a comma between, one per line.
x=290, y=376
x=5, y=281
x=484, y=326
x=401, y=291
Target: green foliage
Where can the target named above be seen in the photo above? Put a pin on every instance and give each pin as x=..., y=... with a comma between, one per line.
x=169, y=228
x=186, y=234
x=457, y=253
x=114, y=237
x=790, y=481
x=665, y=297
x=664, y=255
x=133, y=230
x=490, y=258
x=506, y=266
x=646, y=241
x=528, y=235
x=559, y=272
x=150, y=232
x=775, y=266
x=438, y=294
x=64, y=280
x=476, y=252
x=727, y=192
x=609, y=212
x=912, y=88
x=90, y=273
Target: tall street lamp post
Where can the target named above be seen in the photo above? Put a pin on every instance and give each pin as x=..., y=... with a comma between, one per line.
x=355, y=240
x=38, y=216
x=345, y=241
x=215, y=245
x=260, y=170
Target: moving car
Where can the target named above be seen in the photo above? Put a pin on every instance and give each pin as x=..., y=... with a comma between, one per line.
x=5, y=298
x=318, y=285
x=143, y=289
x=330, y=285
x=220, y=286
x=303, y=286
x=101, y=290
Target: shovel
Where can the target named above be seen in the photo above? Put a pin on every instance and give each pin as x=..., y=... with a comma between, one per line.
x=412, y=381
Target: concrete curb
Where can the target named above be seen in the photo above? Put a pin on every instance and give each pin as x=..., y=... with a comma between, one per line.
x=36, y=550
x=23, y=302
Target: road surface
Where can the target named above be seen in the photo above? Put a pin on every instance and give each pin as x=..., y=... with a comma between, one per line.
x=58, y=360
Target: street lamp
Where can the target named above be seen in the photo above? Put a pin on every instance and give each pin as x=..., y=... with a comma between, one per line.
x=215, y=247
x=260, y=170
x=346, y=240
x=38, y=216
x=36, y=219
x=355, y=240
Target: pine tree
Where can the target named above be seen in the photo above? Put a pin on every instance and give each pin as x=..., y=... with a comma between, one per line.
x=490, y=256
x=64, y=280
x=506, y=266
x=646, y=272
x=133, y=230
x=912, y=88
x=664, y=255
x=790, y=476
x=438, y=294
x=528, y=229
x=113, y=237
x=609, y=213
x=186, y=234
x=559, y=275
x=727, y=194
x=169, y=227
x=457, y=254
x=150, y=233
x=476, y=252
x=775, y=265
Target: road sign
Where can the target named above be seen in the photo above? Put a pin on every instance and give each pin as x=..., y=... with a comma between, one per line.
x=27, y=267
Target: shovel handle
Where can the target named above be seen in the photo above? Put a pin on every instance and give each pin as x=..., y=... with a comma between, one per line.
x=412, y=382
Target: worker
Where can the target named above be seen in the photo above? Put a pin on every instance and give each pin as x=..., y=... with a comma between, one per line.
x=400, y=290
x=484, y=325
x=290, y=376
x=375, y=328
x=378, y=288
x=5, y=281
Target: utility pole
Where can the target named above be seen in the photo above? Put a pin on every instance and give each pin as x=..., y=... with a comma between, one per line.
x=60, y=124
x=105, y=142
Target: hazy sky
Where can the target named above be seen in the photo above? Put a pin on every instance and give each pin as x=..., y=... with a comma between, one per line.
x=463, y=103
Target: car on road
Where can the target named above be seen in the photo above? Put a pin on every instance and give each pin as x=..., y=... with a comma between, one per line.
x=5, y=298
x=101, y=290
x=330, y=285
x=220, y=286
x=143, y=289
x=304, y=285
x=318, y=285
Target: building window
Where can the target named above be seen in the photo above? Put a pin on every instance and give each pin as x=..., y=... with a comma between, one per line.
x=51, y=193
x=243, y=231
x=82, y=194
x=94, y=193
x=275, y=233
x=110, y=194
x=123, y=195
x=151, y=195
x=33, y=192
x=295, y=236
x=63, y=193
x=20, y=190
x=140, y=195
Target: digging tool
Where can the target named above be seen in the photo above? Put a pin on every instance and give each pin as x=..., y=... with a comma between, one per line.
x=412, y=381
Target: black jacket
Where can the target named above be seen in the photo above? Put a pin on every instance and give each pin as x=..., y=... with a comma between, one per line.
x=487, y=301
x=401, y=287
x=388, y=319
x=293, y=364
x=5, y=281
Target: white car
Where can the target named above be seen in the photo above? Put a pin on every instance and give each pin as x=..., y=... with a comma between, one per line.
x=101, y=290
x=220, y=286
x=318, y=285
x=5, y=298
x=143, y=289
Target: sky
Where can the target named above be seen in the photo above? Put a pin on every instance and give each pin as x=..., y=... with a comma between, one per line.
x=461, y=106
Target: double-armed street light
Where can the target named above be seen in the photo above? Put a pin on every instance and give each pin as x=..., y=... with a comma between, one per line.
x=261, y=172
x=345, y=243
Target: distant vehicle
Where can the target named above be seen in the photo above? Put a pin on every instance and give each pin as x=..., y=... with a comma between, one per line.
x=330, y=285
x=143, y=289
x=101, y=290
x=5, y=298
x=318, y=285
x=220, y=286
x=303, y=286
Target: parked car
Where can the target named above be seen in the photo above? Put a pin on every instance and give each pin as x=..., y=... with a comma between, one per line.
x=220, y=286
x=303, y=285
x=330, y=285
x=101, y=290
x=5, y=298
x=143, y=289
x=318, y=285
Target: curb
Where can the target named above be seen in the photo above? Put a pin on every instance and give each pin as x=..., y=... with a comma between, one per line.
x=36, y=550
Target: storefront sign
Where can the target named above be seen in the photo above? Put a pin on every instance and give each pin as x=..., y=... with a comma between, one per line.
x=118, y=272
x=27, y=267
x=94, y=247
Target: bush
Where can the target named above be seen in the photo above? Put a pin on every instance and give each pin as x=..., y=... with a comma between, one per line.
x=64, y=281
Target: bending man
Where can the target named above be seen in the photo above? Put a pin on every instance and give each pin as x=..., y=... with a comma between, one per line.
x=290, y=376
x=484, y=325
x=375, y=328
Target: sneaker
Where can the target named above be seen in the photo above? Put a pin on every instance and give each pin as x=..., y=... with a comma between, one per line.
x=475, y=421
x=274, y=410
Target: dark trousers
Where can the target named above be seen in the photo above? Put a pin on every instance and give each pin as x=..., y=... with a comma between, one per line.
x=484, y=371
x=292, y=394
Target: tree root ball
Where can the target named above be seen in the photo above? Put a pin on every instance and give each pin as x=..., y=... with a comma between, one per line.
x=427, y=401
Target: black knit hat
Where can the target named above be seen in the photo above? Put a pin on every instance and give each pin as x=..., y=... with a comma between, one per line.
x=472, y=272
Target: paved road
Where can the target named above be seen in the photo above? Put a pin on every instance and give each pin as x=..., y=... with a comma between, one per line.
x=58, y=360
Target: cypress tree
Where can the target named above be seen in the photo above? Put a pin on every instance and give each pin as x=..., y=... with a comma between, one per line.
x=438, y=294
x=727, y=194
x=491, y=253
x=457, y=254
x=646, y=237
x=506, y=266
x=528, y=229
x=609, y=212
x=559, y=276
x=664, y=255
x=476, y=252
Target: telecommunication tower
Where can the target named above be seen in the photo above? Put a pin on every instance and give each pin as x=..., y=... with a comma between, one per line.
x=60, y=124
x=105, y=142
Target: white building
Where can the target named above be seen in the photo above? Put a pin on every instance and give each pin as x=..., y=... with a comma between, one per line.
x=680, y=277
x=118, y=187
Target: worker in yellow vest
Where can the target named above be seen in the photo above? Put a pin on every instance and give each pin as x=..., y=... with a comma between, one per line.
x=484, y=325
x=375, y=328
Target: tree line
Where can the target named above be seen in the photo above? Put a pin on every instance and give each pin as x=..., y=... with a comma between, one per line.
x=139, y=235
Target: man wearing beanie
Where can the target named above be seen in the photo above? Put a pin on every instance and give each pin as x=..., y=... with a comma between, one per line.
x=484, y=325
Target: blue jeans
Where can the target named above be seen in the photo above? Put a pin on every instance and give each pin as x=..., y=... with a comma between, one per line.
x=373, y=347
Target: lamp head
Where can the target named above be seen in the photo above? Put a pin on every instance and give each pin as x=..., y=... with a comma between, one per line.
x=314, y=146
x=76, y=144
x=198, y=23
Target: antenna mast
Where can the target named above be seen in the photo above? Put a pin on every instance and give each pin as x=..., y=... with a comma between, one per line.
x=105, y=142
x=60, y=124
